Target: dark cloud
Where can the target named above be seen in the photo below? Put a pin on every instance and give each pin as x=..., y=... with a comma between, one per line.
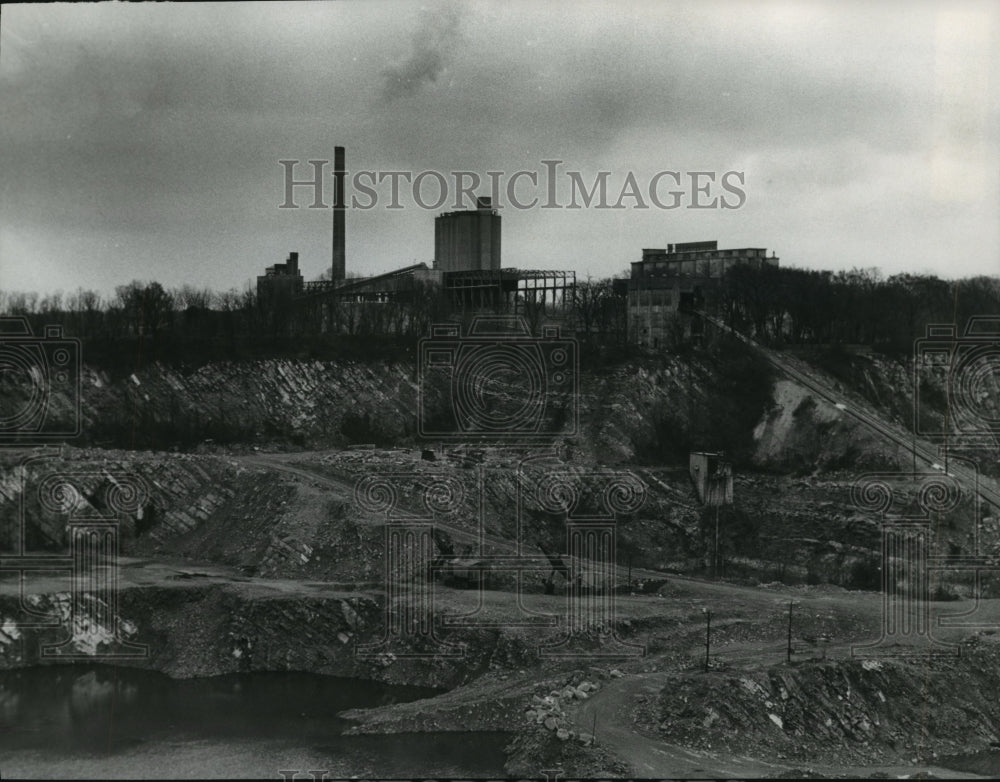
x=438, y=33
x=143, y=139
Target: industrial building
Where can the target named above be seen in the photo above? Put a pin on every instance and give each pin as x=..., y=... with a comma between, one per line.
x=280, y=283
x=469, y=240
x=671, y=282
x=338, y=269
x=397, y=285
x=662, y=297
x=466, y=272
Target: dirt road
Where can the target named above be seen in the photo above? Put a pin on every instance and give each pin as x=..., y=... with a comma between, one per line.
x=610, y=711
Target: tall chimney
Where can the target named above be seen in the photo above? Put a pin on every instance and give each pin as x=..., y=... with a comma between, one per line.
x=339, y=253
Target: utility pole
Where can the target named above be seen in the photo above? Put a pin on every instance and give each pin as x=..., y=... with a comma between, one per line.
x=708, y=636
x=716, y=568
x=789, y=654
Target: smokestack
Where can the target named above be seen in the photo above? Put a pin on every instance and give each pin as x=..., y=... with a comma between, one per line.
x=339, y=271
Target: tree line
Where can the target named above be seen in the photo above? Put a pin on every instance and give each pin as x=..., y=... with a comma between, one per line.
x=786, y=305
x=779, y=305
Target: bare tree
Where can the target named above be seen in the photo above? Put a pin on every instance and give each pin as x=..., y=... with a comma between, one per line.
x=188, y=297
x=148, y=308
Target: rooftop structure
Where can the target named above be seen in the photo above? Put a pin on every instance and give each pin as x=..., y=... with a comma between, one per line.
x=697, y=259
x=676, y=280
x=469, y=240
x=283, y=280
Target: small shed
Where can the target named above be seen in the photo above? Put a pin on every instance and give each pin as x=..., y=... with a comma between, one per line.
x=712, y=477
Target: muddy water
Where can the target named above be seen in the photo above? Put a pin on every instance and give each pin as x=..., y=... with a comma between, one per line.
x=97, y=721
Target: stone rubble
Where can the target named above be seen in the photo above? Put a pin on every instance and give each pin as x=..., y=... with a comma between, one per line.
x=549, y=712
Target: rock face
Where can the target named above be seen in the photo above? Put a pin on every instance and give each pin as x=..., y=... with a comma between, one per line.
x=327, y=404
x=847, y=711
x=648, y=408
x=302, y=522
x=632, y=415
x=303, y=402
x=204, y=507
x=802, y=433
x=203, y=627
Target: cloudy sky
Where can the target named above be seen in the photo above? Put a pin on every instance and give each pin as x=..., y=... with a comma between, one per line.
x=143, y=140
